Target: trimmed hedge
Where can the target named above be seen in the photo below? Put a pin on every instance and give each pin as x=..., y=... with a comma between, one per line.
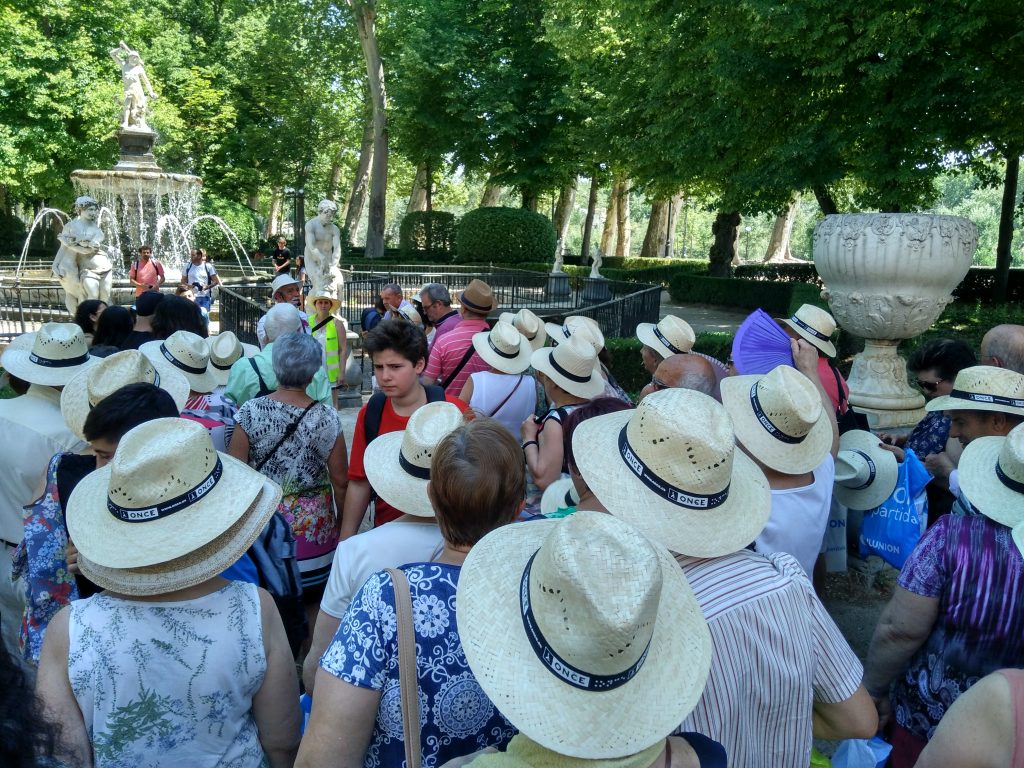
x=628, y=369
x=504, y=236
x=427, y=235
x=774, y=298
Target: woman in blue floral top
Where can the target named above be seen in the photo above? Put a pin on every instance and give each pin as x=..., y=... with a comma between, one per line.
x=477, y=484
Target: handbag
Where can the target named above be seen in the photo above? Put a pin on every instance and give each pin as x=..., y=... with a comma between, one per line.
x=407, y=682
x=851, y=419
x=894, y=527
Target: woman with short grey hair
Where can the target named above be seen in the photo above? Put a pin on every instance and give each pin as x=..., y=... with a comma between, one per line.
x=297, y=442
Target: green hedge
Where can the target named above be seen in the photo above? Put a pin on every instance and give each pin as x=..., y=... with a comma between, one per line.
x=240, y=218
x=504, y=236
x=428, y=235
x=628, y=369
x=774, y=298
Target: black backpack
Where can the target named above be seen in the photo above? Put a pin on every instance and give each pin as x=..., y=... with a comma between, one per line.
x=273, y=553
x=375, y=409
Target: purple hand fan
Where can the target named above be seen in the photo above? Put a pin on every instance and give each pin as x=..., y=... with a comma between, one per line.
x=760, y=345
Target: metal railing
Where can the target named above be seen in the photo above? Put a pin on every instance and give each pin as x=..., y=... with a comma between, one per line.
x=240, y=313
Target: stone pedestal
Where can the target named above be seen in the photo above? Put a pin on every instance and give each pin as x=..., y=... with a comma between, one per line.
x=136, y=151
x=879, y=388
x=349, y=396
x=595, y=290
x=558, y=285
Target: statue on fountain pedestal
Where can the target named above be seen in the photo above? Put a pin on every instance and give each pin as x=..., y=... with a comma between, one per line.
x=595, y=267
x=323, y=251
x=136, y=86
x=82, y=265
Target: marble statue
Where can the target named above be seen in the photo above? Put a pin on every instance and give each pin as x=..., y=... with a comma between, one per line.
x=595, y=266
x=82, y=265
x=557, y=269
x=136, y=88
x=323, y=251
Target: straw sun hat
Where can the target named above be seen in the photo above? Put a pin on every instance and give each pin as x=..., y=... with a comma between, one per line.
x=503, y=348
x=671, y=468
x=52, y=356
x=588, y=616
x=816, y=326
x=669, y=336
x=577, y=325
x=478, y=297
x=991, y=473
x=561, y=494
x=168, y=511
x=312, y=300
x=528, y=324
x=96, y=382
x=573, y=366
x=983, y=388
x=779, y=418
x=225, y=351
x=398, y=463
x=186, y=353
x=866, y=474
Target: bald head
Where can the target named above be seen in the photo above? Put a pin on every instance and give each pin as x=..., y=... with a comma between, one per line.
x=684, y=372
x=1003, y=347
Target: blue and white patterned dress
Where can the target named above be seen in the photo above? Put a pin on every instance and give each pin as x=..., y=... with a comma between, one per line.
x=456, y=716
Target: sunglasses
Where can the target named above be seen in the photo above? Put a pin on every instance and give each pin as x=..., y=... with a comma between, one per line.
x=929, y=386
x=658, y=384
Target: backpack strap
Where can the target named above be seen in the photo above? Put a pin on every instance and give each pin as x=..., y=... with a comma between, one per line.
x=462, y=364
x=435, y=393
x=372, y=417
x=264, y=389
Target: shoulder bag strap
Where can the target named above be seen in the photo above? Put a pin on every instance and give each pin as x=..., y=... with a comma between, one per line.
x=321, y=324
x=839, y=385
x=288, y=432
x=264, y=389
x=407, y=681
x=507, y=397
x=462, y=364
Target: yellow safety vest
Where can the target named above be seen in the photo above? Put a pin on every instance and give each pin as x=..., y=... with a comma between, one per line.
x=328, y=338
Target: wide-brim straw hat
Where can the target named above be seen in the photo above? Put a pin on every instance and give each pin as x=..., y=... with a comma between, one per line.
x=186, y=353
x=503, y=348
x=410, y=313
x=983, y=388
x=90, y=386
x=51, y=356
x=816, y=326
x=398, y=463
x=312, y=300
x=225, y=351
x=528, y=324
x=168, y=511
x=281, y=281
x=671, y=468
x=669, y=336
x=577, y=325
x=561, y=494
x=477, y=297
x=779, y=417
x=866, y=474
x=573, y=366
x=593, y=620
x=991, y=471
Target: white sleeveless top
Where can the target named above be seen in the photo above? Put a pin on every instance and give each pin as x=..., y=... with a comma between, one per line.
x=169, y=684
x=490, y=389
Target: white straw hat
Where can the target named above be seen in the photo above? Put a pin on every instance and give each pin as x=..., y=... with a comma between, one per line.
x=577, y=325
x=51, y=356
x=335, y=304
x=110, y=374
x=584, y=634
x=561, y=494
x=671, y=468
x=866, y=474
x=168, y=511
x=281, y=281
x=573, y=366
x=816, y=326
x=225, y=350
x=398, y=463
x=991, y=471
x=983, y=388
x=528, y=324
x=779, y=417
x=669, y=336
x=504, y=348
x=410, y=313
x=187, y=353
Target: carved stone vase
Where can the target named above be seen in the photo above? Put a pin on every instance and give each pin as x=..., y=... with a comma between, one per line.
x=888, y=277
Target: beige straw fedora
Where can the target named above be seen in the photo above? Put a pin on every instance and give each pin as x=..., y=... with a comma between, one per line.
x=187, y=353
x=561, y=494
x=779, y=418
x=225, y=351
x=866, y=474
x=504, y=348
x=528, y=324
x=584, y=633
x=669, y=336
x=312, y=300
x=89, y=387
x=573, y=366
x=410, y=313
x=577, y=325
x=51, y=356
x=168, y=512
x=983, y=388
x=398, y=463
x=478, y=297
x=816, y=326
x=991, y=471
x=671, y=468
x=281, y=281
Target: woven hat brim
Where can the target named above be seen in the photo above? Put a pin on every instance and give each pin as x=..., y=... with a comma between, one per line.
x=554, y=495
x=222, y=375
x=947, y=403
x=554, y=332
x=203, y=383
x=981, y=486
x=110, y=542
x=195, y=567
x=790, y=458
x=593, y=387
x=15, y=361
x=75, y=405
x=698, y=533
x=540, y=339
x=825, y=346
x=574, y=722
x=887, y=471
x=312, y=300
x=393, y=484
x=645, y=332
x=512, y=365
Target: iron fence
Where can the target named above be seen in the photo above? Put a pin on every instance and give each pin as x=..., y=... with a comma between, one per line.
x=240, y=313
x=23, y=308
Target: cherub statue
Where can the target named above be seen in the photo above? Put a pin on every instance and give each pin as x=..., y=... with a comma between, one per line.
x=596, y=264
x=82, y=265
x=136, y=86
x=323, y=250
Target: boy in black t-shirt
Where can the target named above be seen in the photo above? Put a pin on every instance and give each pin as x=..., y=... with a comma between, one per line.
x=282, y=258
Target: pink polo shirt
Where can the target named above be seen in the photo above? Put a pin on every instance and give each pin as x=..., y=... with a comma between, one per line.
x=448, y=352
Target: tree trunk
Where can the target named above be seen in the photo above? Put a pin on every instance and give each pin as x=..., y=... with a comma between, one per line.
x=1003, y=254
x=365, y=12
x=724, y=248
x=334, y=180
x=354, y=206
x=588, y=222
x=273, y=225
x=252, y=200
x=563, y=213
x=492, y=195
x=657, y=230
x=622, y=242
x=530, y=200
x=673, y=224
x=5, y=201
x=778, y=245
x=611, y=221
x=826, y=202
x=418, y=197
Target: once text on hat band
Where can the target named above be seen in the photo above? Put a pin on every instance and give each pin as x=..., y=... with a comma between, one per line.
x=981, y=397
x=813, y=331
x=169, y=507
x=663, y=489
x=178, y=364
x=49, y=362
x=767, y=423
x=871, y=470
x=667, y=343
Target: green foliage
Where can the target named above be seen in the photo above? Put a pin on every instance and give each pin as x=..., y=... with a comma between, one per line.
x=773, y=297
x=627, y=365
x=12, y=234
x=427, y=235
x=504, y=236
x=209, y=235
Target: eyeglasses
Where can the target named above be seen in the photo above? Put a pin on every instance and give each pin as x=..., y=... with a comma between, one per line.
x=929, y=386
x=658, y=384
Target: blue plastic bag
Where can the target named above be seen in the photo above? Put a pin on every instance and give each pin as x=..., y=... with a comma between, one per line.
x=861, y=753
x=893, y=529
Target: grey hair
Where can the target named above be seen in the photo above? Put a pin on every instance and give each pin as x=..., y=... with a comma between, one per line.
x=392, y=288
x=1007, y=343
x=437, y=292
x=281, y=319
x=297, y=357
x=697, y=380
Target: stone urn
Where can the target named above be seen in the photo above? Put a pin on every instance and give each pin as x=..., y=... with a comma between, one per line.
x=888, y=276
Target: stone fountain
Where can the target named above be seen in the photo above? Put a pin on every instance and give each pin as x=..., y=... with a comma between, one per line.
x=888, y=277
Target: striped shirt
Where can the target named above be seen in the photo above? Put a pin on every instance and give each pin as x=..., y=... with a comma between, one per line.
x=448, y=351
x=775, y=652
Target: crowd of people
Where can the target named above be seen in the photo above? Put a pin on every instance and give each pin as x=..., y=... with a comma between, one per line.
x=513, y=564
